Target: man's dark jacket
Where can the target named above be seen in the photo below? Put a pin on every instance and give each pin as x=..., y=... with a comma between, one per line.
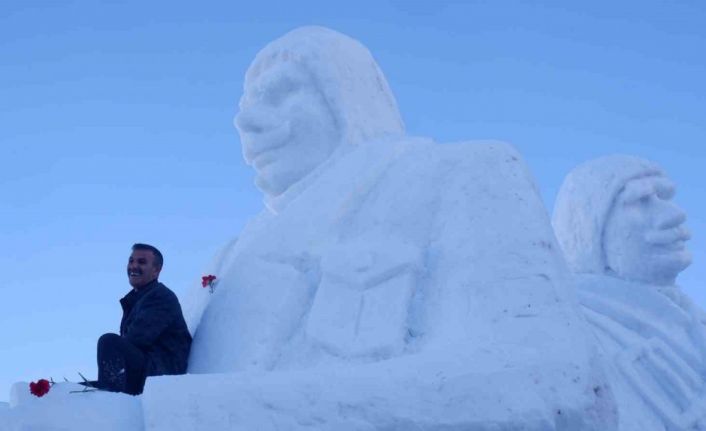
x=152, y=321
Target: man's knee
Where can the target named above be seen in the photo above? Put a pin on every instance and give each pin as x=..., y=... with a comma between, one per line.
x=108, y=342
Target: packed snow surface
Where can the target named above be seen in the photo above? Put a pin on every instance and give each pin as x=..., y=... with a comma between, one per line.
x=62, y=410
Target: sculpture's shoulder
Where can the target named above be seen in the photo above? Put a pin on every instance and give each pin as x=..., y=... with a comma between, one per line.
x=490, y=182
x=477, y=152
x=495, y=165
x=488, y=147
x=600, y=292
x=461, y=155
x=485, y=164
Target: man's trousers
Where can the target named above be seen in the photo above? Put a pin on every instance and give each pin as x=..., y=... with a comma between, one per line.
x=121, y=365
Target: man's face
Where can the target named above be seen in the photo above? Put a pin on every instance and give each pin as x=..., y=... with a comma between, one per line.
x=644, y=239
x=141, y=269
x=286, y=127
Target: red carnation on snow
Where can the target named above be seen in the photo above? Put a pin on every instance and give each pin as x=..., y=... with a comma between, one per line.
x=208, y=281
x=40, y=387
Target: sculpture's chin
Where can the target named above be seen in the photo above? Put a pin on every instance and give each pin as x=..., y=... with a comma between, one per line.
x=274, y=183
x=266, y=186
x=677, y=263
x=270, y=189
x=663, y=269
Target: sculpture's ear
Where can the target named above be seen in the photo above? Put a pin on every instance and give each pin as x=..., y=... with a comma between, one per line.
x=362, y=302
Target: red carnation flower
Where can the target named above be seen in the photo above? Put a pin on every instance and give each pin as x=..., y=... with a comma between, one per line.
x=40, y=387
x=208, y=281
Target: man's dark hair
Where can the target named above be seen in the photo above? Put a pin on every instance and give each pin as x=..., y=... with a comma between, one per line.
x=158, y=258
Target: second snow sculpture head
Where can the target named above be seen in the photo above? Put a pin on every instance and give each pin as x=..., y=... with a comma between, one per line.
x=614, y=215
x=307, y=94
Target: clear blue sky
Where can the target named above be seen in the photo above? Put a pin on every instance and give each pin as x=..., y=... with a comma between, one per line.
x=116, y=127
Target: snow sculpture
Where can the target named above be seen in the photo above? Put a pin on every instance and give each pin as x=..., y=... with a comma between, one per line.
x=391, y=283
x=625, y=238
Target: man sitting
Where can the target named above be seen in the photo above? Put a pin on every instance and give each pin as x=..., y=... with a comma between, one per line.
x=153, y=340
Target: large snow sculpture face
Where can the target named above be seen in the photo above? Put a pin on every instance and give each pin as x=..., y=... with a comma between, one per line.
x=614, y=215
x=286, y=127
x=306, y=94
x=644, y=237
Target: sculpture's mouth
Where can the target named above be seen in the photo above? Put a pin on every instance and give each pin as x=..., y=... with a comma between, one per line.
x=670, y=239
x=258, y=147
x=265, y=158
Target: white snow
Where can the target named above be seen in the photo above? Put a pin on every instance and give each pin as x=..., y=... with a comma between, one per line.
x=60, y=410
x=435, y=391
x=392, y=282
x=619, y=208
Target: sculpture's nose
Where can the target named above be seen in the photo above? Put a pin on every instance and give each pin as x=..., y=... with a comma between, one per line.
x=253, y=120
x=244, y=121
x=670, y=216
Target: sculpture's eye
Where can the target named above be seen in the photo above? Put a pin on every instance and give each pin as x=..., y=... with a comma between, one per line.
x=278, y=91
x=666, y=192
